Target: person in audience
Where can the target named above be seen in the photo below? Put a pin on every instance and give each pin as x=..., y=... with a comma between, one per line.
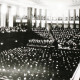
x=55, y=43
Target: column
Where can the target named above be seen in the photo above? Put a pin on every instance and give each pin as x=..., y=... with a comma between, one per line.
x=8, y=16
x=0, y=14
x=74, y=18
x=29, y=17
x=45, y=18
x=11, y=17
x=40, y=18
x=14, y=13
x=68, y=18
x=3, y=15
x=35, y=10
x=79, y=19
x=33, y=17
x=63, y=21
x=37, y=17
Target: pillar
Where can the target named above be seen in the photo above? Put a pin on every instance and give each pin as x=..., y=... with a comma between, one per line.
x=40, y=18
x=9, y=17
x=74, y=18
x=63, y=21
x=14, y=11
x=79, y=19
x=3, y=15
x=35, y=10
x=0, y=14
x=29, y=17
x=68, y=18
x=45, y=18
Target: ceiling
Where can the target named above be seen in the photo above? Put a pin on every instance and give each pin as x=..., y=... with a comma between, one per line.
x=44, y=3
x=51, y=2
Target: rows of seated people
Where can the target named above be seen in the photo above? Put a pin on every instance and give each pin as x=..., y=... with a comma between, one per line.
x=54, y=43
x=12, y=29
x=29, y=63
x=76, y=40
x=40, y=42
x=60, y=33
x=42, y=32
x=63, y=36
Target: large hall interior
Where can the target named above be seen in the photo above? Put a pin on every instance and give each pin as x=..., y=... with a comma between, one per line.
x=39, y=39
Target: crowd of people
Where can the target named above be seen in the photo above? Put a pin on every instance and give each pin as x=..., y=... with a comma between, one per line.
x=33, y=63
x=34, y=58
x=40, y=42
x=42, y=32
x=12, y=29
x=63, y=36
